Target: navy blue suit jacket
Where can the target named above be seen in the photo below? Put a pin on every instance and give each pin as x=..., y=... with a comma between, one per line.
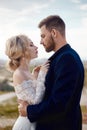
x=60, y=107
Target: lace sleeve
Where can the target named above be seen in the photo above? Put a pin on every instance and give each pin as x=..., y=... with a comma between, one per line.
x=25, y=91
x=31, y=90
x=40, y=87
x=41, y=76
x=40, y=90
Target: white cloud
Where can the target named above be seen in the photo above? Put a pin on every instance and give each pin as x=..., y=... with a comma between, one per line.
x=51, y=0
x=77, y=38
x=34, y=8
x=14, y=4
x=9, y=15
x=22, y=4
x=83, y=7
x=84, y=22
x=12, y=19
x=75, y=1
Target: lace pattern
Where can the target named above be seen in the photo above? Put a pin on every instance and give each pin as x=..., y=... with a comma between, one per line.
x=32, y=90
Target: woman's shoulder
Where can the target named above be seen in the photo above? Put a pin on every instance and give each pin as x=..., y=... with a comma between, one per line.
x=18, y=77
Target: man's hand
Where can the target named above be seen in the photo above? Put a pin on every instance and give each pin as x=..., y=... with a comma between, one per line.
x=22, y=107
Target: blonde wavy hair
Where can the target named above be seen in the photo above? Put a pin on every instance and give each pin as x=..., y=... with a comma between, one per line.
x=16, y=48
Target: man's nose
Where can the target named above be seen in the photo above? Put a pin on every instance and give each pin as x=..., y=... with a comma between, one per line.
x=41, y=42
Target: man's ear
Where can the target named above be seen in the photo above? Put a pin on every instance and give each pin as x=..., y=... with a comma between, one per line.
x=54, y=32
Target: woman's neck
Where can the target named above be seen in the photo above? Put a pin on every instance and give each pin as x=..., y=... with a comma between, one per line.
x=24, y=64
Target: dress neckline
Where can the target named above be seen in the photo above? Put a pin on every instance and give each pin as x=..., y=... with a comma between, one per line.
x=24, y=82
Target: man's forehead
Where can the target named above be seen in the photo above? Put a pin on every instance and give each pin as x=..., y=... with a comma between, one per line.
x=44, y=29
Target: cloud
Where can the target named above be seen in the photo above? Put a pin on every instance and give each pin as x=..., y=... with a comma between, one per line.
x=75, y=1
x=22, y=4
x=84, y=22
x=34, y=8
x=52, y=1
x=11, y=19
x=77, y=39
x=83, y=7
x=8, y=14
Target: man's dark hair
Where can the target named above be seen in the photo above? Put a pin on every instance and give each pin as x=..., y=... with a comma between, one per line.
x=53, y=22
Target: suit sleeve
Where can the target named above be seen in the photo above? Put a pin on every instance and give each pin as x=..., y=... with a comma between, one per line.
x=67, y=76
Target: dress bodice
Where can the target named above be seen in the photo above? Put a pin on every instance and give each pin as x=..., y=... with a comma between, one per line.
x=31, y=90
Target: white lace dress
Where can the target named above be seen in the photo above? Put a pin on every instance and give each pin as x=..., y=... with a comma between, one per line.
x=31, y=91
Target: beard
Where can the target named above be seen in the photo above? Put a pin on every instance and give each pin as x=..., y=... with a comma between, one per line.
x=51, y=44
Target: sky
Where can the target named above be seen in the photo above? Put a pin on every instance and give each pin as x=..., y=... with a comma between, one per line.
x=23, y=16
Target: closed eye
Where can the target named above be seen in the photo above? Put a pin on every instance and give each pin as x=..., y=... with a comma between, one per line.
x=31, y=44
x=42, y=36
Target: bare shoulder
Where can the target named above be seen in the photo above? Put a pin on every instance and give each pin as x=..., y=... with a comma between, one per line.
x=18, y=77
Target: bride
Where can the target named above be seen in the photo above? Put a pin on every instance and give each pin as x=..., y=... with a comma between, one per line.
x=28, y=86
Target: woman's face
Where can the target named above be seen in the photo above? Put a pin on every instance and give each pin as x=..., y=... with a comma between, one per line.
x=32, y=49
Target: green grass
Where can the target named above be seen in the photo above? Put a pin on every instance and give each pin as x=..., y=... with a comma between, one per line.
x=1, y=92
x=84, y=109
x=6, y=128
x=9, y=108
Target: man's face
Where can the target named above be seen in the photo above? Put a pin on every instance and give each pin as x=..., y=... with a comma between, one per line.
x=47, y=39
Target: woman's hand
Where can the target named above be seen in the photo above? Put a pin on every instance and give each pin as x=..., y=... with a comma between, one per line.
x=35, y=71
x=45, y=66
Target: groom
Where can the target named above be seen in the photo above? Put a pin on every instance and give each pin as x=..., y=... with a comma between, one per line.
x=60, y=107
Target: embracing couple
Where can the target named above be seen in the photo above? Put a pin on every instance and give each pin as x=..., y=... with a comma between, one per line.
x=49, y=97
